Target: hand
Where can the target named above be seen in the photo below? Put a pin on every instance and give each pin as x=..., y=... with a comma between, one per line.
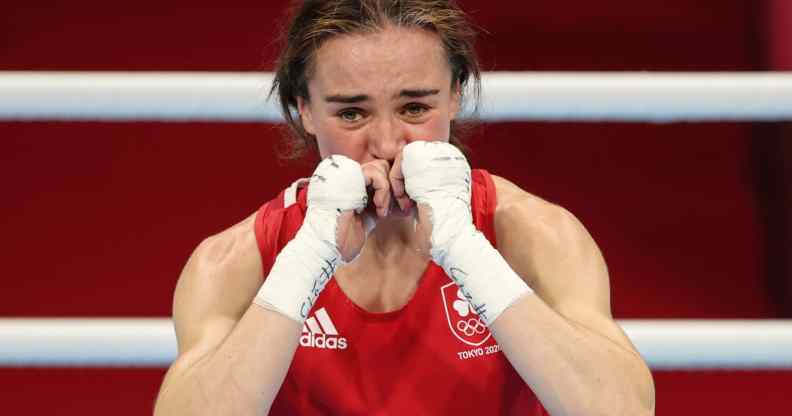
x=353, y=227
x=436, y=176
x=423, y=226
x=336, y=200
x=329, y=236
x=376, y=174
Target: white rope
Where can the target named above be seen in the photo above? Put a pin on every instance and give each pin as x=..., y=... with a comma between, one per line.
x=671, y=344
x=713, y=344
x=87, y=342
x=569, y=96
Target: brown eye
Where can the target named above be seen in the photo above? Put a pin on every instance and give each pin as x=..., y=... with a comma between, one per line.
x=350, y=115
x=415, y=110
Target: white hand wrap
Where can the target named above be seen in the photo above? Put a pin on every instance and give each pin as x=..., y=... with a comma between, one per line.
x=438, y=175
x=306, y=264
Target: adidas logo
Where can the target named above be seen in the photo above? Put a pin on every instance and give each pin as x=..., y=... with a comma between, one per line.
x=319, y=332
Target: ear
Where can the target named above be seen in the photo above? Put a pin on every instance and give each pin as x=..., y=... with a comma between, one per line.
x=306, y=116
x=456, y=101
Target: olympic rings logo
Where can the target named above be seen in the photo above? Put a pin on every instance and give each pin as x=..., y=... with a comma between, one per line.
x=471, y=327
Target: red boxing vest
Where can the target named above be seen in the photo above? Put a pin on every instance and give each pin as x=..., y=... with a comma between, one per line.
x=432, y=357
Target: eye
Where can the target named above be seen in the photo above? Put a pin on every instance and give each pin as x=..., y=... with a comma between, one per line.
x=415, y=110
x=351, y=115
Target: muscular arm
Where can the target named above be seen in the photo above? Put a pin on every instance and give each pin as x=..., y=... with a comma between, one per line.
x=562, y=340
x=233, y=355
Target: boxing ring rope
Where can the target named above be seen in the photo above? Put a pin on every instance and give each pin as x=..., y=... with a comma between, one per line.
x=508, y=96
x=241, y=97
x=665, y=344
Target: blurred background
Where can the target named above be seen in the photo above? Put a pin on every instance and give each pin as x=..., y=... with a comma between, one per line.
x=99, y=218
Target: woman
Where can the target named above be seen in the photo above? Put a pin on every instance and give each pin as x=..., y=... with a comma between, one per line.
x=418, y=311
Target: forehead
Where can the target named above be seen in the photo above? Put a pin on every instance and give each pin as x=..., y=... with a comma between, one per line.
x=392, y=58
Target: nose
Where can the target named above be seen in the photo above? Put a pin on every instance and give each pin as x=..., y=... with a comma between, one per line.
x=387, y=137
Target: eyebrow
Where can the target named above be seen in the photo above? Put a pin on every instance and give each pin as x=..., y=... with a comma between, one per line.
x=346, y=99
x=353, y=99
x=418, y=93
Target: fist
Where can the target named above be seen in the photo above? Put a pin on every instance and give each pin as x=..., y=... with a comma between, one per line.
x=336, y=199
x=437, y=177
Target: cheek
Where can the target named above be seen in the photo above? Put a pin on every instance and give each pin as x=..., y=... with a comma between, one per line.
x=438, y=128
x=334, y=141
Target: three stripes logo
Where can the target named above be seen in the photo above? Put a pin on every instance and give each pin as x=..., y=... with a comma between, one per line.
x=319, y=332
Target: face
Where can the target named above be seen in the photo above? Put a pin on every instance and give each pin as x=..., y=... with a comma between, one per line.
x=371, y=94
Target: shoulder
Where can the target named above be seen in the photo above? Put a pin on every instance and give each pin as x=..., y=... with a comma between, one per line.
x=227, y=248
x=217, y=284
x=516, y=207
x=549, y=248
x=243, y=244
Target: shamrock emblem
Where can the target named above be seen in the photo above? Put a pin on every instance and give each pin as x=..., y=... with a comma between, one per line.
x=462, y=306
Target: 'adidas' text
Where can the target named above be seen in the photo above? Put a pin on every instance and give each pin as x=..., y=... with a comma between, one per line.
x=320, y=332
x=323, y=341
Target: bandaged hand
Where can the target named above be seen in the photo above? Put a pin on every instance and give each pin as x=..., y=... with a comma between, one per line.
x=437, y=176
x=336, y=195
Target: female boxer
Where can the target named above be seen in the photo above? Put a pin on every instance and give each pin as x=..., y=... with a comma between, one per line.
x=396, y=280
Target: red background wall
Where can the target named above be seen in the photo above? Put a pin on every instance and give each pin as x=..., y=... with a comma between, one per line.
x=98, y=218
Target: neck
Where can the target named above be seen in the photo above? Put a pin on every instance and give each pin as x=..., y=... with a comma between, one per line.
x=391, y=246
x=392, y=241
x=389, y=268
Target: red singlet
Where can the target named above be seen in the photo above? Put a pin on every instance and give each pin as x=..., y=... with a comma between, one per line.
x=431, y=357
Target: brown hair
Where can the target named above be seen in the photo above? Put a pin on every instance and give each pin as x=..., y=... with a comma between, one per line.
x=315, y=21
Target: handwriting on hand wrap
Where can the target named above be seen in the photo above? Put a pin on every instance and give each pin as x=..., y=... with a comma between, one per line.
x=459, y=276
x=319, y=283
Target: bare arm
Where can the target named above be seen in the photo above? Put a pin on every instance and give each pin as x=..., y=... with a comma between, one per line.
x=563, y=340
x=233, y=355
